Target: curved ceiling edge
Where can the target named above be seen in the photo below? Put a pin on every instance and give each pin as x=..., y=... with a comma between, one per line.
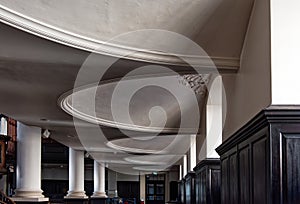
x=55, y=34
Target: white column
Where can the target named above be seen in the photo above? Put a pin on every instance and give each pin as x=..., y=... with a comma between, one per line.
x=214, y=118
x=99, y=180
x=29, y=164
x=193, y=156
x=180, y=172
x=76, y=174
x=184, y=170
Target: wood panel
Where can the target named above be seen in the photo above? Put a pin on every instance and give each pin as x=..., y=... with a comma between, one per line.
x=233, y=179
x=225, y=182
x=182, y=191
x=244, y=162
x=215, y=186
x=260, y=163
x=208, y=182
x=291, y=168
x=190, y=197
x=259, y=171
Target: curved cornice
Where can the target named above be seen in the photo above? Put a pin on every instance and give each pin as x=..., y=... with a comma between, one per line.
x=52, y=33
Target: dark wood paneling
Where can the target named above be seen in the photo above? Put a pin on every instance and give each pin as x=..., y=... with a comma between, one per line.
x=201, y=186
x=259, y=171
x=233, y=179
x=182, y=191
x=291, y=167
x=208, y=182
x=245, y=175
x=225, y=182
x=190, y=197
x=260, y=163
x=215, y=186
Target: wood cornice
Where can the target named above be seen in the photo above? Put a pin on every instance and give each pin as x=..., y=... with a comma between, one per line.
x=207, y=162
x=271, y=114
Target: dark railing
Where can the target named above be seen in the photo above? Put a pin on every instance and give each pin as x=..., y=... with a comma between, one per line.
x=5, y=199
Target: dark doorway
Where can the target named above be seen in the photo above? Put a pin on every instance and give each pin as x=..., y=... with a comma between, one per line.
x=174, y=190
x=155, y=189
x=129, y=189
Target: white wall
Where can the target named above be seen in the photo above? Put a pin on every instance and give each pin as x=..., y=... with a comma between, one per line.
x=249, y=91
x=285, y=40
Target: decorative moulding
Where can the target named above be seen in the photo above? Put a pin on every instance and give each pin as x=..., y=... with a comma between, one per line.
x=33, y=26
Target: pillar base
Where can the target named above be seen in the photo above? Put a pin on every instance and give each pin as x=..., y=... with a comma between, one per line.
x=99, y=195
x=23, y=193
x=98, y=200
x=29, y=196
x=24, y=200
x=76, y=197
x=76, y=194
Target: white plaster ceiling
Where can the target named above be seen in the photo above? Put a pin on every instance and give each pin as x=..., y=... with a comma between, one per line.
x=160, y=104
x=218, y=26
x=35, y=72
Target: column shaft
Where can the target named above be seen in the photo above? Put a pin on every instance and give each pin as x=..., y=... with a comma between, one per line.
x=28, y=164
x=76, y=174
x=184, y=168
x=99, y=180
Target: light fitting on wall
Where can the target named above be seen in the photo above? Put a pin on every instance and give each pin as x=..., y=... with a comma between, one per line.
x=46, y=133
x=87, y=155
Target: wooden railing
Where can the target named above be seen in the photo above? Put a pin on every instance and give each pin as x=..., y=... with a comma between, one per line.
x=5, y=199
